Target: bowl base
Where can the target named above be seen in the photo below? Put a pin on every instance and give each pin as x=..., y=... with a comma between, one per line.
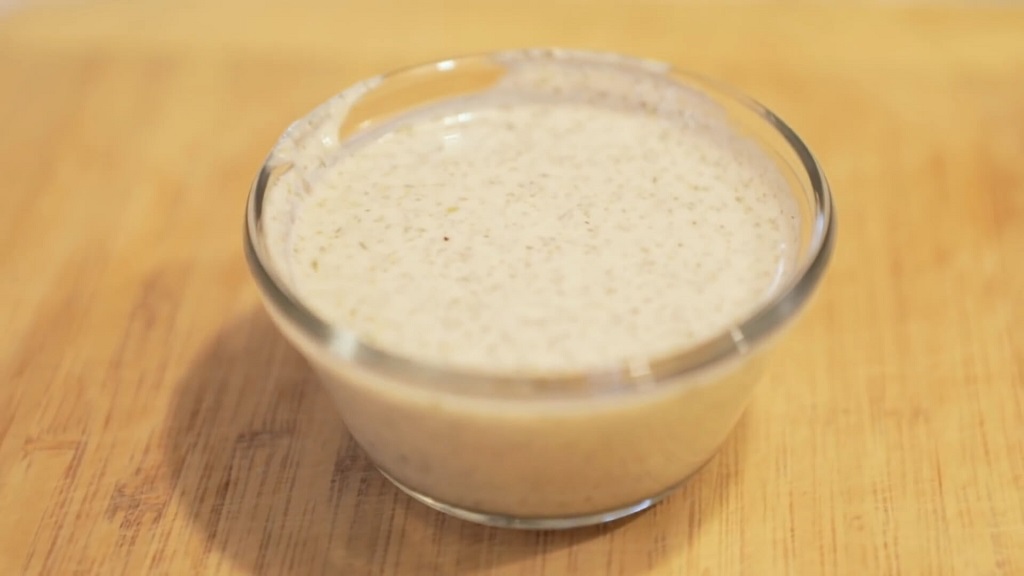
x=534, y=523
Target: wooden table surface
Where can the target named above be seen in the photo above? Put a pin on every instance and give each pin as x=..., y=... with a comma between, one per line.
x=153, y=422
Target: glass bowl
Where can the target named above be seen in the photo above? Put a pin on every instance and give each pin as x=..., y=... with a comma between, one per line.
x=534, y=450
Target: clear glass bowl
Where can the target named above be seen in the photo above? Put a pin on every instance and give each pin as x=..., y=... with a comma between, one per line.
x=536, y=452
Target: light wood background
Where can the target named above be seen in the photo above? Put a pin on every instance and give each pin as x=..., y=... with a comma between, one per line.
x=153, y=422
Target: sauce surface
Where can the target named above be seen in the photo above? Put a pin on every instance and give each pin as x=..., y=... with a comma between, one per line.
x=547, y=231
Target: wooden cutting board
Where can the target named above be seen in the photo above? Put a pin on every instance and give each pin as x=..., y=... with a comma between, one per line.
x=153, y=422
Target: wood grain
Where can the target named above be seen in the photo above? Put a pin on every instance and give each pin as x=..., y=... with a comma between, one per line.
x=153, y=422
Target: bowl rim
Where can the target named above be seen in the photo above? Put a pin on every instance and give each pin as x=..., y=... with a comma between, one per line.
x=344, y=345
